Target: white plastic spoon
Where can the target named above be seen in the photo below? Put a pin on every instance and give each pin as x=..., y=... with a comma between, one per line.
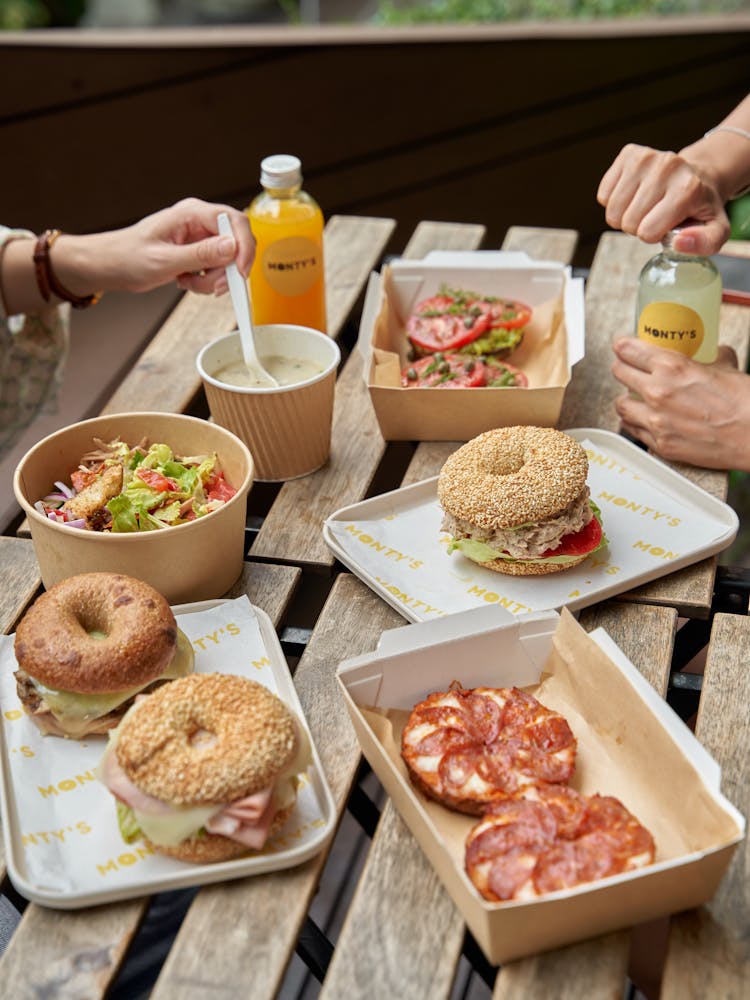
x=241, y=303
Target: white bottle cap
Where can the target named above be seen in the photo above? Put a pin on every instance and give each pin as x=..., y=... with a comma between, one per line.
x=280, y=171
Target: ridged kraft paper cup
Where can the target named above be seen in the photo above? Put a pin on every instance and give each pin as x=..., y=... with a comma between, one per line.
x=188, y=562
x=287, y=429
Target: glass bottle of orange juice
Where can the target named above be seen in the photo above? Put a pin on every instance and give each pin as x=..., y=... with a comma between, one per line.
x=287, y=281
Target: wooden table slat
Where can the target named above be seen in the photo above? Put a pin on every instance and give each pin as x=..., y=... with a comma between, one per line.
x=709, y=948
x=399, y=899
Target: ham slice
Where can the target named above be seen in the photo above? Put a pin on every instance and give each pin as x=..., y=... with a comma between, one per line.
x=245, y=820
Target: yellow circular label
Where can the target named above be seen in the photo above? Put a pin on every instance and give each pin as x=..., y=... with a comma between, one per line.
x=671, y=325
x=292, y=266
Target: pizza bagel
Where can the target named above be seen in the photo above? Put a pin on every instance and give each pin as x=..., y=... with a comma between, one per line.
x=516, y=501
x=553, y=838
x=468, y=748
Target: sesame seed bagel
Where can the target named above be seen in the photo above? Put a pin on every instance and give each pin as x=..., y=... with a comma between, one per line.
x=206, y=738
x=95, y=633
x=512, y=476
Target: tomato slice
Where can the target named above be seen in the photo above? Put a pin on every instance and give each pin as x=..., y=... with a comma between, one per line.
x=154, y=479
x=219, y=489
x=508, y=314
x=441, y=324
x=444, y=371
x=578, y=543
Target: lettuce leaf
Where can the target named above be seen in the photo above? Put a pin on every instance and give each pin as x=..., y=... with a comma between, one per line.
x=493, y=340
x=129, y=829
x=480, y=552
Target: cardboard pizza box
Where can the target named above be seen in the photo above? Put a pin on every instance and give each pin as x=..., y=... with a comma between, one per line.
x=552, y=344
x=631, y=745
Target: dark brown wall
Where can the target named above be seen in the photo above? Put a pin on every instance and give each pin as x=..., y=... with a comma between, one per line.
x=493, y=127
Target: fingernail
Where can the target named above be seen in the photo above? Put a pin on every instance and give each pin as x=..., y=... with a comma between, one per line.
x=685, y=243
x=226, y=246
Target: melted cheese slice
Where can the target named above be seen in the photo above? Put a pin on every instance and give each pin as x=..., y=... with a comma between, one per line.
x=76, y=711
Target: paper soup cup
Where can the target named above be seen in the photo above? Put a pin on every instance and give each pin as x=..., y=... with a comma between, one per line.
x=189, y=562
x=287, y=429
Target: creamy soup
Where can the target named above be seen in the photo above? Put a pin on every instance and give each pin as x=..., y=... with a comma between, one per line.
x=286, y=371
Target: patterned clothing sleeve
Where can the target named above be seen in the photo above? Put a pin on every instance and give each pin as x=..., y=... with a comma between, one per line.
x=33, y=351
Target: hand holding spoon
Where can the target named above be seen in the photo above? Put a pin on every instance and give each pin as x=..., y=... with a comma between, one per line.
x=241, y=303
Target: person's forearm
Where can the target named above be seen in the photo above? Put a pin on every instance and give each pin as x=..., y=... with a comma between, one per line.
x=723, y=156
x=73, y=260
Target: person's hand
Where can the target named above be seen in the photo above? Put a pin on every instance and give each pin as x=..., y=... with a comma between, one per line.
x=688, y=411
x=179, y=243
x=647, y=192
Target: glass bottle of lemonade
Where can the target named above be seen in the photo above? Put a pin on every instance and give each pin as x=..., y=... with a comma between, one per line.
x=287, y=281
x=679, y=296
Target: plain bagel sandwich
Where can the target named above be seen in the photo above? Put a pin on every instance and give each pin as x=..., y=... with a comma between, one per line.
x=515, y=500
x=91, y=643
x=207, y=768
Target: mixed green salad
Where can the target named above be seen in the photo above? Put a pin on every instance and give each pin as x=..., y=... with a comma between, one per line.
x=118, y=488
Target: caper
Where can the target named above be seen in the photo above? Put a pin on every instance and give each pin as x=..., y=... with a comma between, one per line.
x=411, y=374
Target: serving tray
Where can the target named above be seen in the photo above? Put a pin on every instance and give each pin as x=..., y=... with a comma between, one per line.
x=656, y=522
x=62, y=843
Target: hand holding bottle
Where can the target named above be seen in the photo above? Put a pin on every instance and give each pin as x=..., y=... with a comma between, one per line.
x=681, y=410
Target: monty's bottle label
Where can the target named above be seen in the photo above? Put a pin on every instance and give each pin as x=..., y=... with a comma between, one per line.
x=292, y=265
x=671, y=325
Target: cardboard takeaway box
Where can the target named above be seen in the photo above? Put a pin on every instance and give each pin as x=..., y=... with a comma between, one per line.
x=552, y=344
x=630, y=745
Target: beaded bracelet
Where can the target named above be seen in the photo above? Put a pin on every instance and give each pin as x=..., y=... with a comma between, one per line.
x=45, y=276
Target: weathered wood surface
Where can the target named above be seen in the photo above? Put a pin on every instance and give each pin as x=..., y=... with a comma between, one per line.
x=709, y=948
x=73, y=954
x=245, y=932
x=403, y=935
x=291, y=531
x=19, y=572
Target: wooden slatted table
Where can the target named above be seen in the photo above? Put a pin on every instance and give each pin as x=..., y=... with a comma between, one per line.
x=246, y=932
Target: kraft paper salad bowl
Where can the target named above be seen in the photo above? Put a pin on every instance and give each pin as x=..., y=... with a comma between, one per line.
x=193, y=561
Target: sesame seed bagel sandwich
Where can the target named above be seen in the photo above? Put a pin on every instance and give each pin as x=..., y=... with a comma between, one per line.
x=206, y=768
x=515, y=500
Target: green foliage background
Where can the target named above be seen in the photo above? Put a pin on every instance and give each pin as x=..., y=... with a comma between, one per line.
x=437, y=11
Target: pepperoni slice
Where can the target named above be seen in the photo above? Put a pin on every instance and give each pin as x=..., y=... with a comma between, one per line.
x=551, y=734
x=440, y=741
x=486, y=714
x=509, y=872
x=566, y=805
x=457, y=766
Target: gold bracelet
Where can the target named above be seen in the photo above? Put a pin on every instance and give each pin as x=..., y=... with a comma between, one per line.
x=45, y=276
